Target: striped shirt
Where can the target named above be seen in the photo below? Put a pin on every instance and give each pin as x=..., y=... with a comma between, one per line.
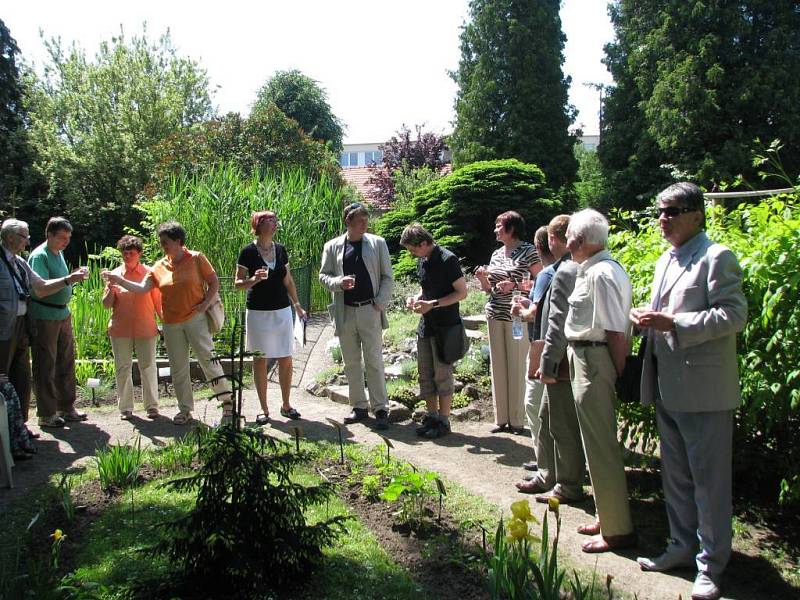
x=501, y=268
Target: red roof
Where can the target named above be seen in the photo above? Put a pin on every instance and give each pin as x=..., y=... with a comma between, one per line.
x=359, y=176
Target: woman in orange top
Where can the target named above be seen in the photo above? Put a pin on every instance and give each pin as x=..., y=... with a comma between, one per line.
x=188, y=284
x=133, y=327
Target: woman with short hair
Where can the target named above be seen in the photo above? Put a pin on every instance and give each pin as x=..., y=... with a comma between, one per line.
x=188, y=285
x=511, y=264
x=132, y=327
x=263, y=270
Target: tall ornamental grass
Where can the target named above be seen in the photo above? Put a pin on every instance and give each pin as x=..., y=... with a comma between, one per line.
x=215, y=209
x=765, y=238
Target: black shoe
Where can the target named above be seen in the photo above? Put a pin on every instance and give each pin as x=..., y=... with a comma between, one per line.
x=530, y=466
x=356, y=415
x=382, y=420
x=440, y=428
x=499, y=428
x=428, y=423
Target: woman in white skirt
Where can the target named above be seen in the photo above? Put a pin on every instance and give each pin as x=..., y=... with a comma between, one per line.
x=263, y=270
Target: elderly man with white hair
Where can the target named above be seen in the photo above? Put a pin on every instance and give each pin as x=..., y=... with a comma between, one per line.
x=17, y=279
x=595, y=330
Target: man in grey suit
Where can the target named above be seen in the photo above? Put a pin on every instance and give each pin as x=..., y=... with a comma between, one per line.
x=562, y=477
x=357, y=269
x=690, y=372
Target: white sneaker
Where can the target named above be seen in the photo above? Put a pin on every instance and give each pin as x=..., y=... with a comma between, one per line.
x=666, y=562
x=705, y=588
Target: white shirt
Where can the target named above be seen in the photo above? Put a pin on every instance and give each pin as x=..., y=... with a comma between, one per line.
x=600, y=301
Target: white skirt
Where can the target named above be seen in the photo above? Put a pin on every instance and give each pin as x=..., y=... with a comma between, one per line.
x=270, y=332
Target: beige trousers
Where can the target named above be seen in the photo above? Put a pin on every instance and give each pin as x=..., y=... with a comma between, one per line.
x=508, y=358
x=362, y=334
x=123, y=348
x=592, y=377
x=179, y=338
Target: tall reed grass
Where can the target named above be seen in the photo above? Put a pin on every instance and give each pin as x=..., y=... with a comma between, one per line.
x=215, y=209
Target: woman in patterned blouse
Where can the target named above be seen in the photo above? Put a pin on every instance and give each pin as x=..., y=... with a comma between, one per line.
x=505, y=272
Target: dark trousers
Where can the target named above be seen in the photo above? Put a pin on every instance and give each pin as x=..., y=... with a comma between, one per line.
x=53, y=353
x=15, y=362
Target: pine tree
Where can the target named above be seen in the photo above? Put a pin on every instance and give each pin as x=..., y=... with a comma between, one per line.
x=696, y=83
x=512, y=100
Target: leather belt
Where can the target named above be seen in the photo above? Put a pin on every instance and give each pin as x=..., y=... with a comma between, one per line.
x=362, y=303
x=585, y=343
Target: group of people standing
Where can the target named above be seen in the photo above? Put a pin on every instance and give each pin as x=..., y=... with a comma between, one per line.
x=580, y=308
x=561, y=376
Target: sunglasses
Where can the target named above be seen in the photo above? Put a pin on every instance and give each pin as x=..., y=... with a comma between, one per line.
x=673, y=211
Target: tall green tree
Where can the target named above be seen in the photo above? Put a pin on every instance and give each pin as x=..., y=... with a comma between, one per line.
x=302, y=99
x=267, y=140
x=20, y=185
x=97, y=124
x=512, y=99
x=696, y=82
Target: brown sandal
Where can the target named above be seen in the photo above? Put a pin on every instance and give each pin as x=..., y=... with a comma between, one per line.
x=590, y=528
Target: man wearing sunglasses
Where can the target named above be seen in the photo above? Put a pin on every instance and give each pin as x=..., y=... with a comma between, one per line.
x=690, y=373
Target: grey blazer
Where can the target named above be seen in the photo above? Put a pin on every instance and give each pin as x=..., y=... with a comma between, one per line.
x=700, y=372
x=555, y=308
x=375, y=254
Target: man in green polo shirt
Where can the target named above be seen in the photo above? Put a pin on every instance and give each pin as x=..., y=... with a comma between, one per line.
x=53, y=347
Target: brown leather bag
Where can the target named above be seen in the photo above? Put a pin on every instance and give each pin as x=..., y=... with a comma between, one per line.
x=535, y=356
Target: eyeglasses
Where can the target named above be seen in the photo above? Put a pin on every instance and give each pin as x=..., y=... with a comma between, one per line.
x=673, y=211
x=22, y=237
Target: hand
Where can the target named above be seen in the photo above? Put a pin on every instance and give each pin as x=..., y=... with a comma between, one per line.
x=109, y=277
x=78, y=275
x=653, y=319
x=525, y=285
x=378, y=307
x=422, y=307
x=300, y=312
x=348, y=282
x=260, y=275
x=410, y=302
x=506, y=286
x=546, y=379
x=201, y=307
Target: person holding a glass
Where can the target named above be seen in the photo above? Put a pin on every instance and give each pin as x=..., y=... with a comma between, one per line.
x=505, y=273
x=263, y=270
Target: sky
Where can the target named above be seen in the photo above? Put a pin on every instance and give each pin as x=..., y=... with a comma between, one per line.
x=382, y=64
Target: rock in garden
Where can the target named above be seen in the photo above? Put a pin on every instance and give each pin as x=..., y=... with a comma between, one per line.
x=458, y=385
x=471, y=391
x=316, y=388
x=398, y=412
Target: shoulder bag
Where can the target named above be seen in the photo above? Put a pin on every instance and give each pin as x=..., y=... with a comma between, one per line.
x=452, y=342
x=215, y=313
x=628, y=384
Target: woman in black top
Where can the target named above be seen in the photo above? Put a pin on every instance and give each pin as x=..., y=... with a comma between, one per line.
x=263, y=270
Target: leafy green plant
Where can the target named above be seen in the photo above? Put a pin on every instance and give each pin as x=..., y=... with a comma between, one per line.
x=402, y=392
x=412, y=489
x=247, y=531
x=64, y=489
x=371, y=487
x=460, y=400
x=118, y=465
x=515, y=571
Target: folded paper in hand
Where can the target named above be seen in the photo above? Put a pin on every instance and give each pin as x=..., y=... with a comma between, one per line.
x=299, y=330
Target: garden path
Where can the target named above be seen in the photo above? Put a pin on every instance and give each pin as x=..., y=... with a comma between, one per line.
x=484, y=464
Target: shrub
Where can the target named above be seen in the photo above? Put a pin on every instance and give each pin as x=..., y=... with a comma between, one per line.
x=248, y=530
x=401, y=392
